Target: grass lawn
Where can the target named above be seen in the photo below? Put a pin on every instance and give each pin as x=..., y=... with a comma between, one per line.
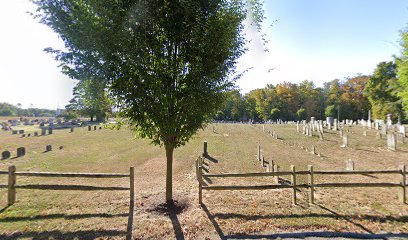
x=43, y=214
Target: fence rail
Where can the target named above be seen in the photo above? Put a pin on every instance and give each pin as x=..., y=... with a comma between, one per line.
x=12, y=179
x=310, y=185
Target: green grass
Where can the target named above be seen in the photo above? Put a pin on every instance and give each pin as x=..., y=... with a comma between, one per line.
x=91, y=214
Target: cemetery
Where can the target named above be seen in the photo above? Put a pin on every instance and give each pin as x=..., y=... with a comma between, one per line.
x=248, y=180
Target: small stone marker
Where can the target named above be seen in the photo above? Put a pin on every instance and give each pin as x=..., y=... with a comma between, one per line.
x=345, y=141
x=20, y=131
x=21, y=151
x=5, y=155
x=94, y=128
x=89, y=128
x=100, y=128
x=23, y=135
x=49, y=130
x=391, y=142
x=72, y=129
x=43, y=131
x=29, y=135
x=61, y=147
x=320, y=135
x=35, y=134
x=350, y=165
x=14, y=132
x=313, y=150
x=48, y=148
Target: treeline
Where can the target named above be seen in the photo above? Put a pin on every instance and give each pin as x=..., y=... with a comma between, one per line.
x=350, y=98
x=7, y=109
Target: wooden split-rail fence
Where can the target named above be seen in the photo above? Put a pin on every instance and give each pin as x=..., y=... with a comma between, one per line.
x=311, y=185
x=12, y=182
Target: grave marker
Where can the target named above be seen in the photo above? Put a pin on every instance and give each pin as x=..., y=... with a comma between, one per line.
x=5, y=155
x=21, y=151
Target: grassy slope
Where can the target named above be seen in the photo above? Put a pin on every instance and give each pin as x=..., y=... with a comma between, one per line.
x=104, y=213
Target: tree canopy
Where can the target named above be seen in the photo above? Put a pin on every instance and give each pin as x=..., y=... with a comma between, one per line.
x=167, y=64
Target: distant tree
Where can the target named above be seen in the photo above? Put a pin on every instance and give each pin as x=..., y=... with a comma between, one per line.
x=331, y=111
x=91, y=99
x=402, y=69
x=301, y=114
x=275, y=114
x=382, y=91
x=167, y=63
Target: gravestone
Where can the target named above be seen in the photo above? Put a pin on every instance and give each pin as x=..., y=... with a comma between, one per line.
x=14, y=132
x=23, y=135
x=100, y=128
x=49, y=130
x=5, y=155
x=345, y=141
x=29, y=135
x=389, y=119
x=384, y=129
x=350, y=165
x=35, y=134
x=320, y=135
x=48, y=148
x=313, y=150
x=297, y=127
x=391, y=142
x=72, y=129
x=335, y=125
x=43, y=131
x=94, y=128
x=89, y=128
x=20, y=131
x=341, y=132
x=21, y=151
x=369, y=123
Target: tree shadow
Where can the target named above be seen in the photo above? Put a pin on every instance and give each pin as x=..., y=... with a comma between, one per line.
x=211, y=159
x=325, y=234
x=83, y=235
x=172, y=208
x=64, y=216
x=4, y=209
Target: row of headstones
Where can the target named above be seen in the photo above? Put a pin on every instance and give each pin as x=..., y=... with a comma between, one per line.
x=272, y=133
x=21, y=151
x=270, y=167
x=43, y=132
x=309, y=128
x=94, y=128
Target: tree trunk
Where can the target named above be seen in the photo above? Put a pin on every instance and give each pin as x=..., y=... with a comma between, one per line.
x=169, y=174
x=91, y=118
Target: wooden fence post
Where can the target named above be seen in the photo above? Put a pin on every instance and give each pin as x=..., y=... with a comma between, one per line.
x=11, y=185
x=200, y=186
x=276, y=169
x=403, y=196
x=205, y=152
x=263, y=161
x=132, y=185
x=311, y=185
x=293, y=176
x=259, y=152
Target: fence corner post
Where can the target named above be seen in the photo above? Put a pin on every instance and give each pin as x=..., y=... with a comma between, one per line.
x=205, y=150
x=293, y=178
x=11, y=185
x=403, y=194
x=311, y=184
x=200, y=186
x=132, y=185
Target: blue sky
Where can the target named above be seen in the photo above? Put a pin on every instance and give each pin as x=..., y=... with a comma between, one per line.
x=317, y=40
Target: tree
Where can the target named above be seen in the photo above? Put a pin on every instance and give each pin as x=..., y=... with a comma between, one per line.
x=301, y=114
x=275, y=113
x=166, y=63
x=382, y=89
x=331, y=111
x=90, y=99
x=402, y=69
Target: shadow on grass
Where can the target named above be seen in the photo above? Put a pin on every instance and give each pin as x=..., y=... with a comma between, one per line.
x=64, y=216
x=211, y=159
x=83, y=235
x=332, y=214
